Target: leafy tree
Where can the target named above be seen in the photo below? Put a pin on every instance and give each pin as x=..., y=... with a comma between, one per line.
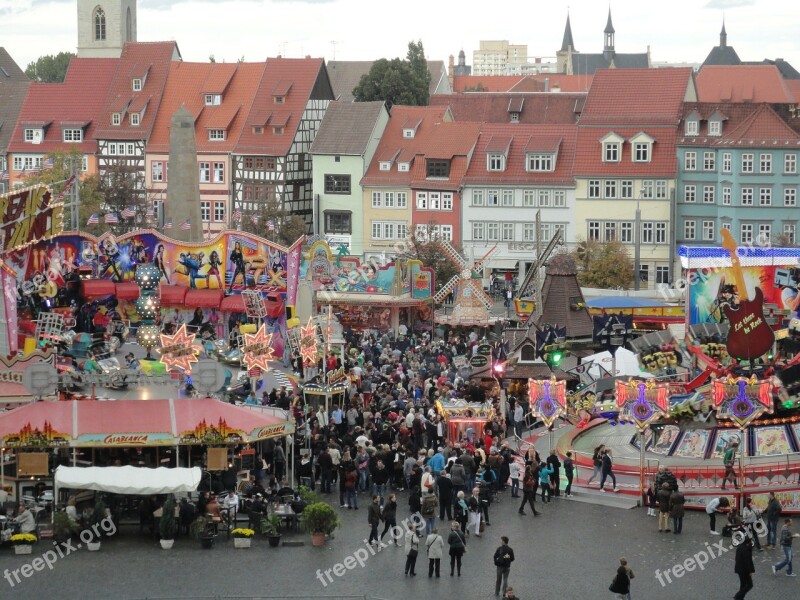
x=49, y=68
x=604, y=266
x=287, y=228
x=424, y=245
x=783, y=240
x=397, y=81
x=122, y=186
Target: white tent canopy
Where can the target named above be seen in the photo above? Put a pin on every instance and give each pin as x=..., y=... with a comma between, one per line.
x=627, y=365
x=136, y=481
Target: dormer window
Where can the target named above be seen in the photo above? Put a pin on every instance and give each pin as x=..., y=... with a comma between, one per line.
x=137, y=85
x=135, y=119
x=715, y=128
x=279, y=99
x=403, y=167
x=216, y=135
x=385, y=165
x=73, y=135
x=213, y=99
x=495, y=162
x=116, y=118
x=437, y=168
x=258, y=130
x=692, y=127
x=277, y=130
x=541, y=163
x=33, y=135
x=612, y=147
x=641, y=148
x=408, y=133
x=514, y=117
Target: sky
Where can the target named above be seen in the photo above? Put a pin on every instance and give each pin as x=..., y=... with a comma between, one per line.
x=675, y=31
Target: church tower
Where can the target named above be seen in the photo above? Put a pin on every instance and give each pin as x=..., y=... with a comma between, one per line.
x=608, y=37
x=104, y=26
x=564, y=56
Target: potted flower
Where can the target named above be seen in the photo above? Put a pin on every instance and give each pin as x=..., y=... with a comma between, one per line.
x=167, y=525
x=199, y=530
x=23, y=542
x=320, y=520
x=242, y=537
x=271, y=527
x=96, y=528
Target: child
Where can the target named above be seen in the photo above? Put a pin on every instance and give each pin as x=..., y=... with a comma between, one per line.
x=624, y=564
x=651, y=501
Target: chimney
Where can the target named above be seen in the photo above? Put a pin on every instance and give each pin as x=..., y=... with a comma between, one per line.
x=451, y=67
x=546, y=84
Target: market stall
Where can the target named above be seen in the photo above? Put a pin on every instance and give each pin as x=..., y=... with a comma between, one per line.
x=464, y=420
x=128, y=480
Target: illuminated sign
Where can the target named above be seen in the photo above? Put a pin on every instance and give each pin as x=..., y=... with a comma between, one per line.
x=29, y=215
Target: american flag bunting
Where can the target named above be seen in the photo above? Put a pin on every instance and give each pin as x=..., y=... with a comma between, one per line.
x=168, y=224
x=111, y=218
x=128, y=212
x=94, y=219
x=186, y=225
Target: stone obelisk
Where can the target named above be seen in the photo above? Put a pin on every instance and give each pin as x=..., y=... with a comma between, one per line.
x=183, y=186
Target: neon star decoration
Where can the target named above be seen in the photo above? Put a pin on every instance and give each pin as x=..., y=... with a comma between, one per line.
x=257, y=350
x=548, y=399
x=642, y=401
x=308, y=343
x=742, y=400
x=177, y=351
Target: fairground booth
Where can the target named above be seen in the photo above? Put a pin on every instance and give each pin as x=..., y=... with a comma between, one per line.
x=464, y=420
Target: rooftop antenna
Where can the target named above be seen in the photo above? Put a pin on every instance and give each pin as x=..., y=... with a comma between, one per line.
x=334, y=44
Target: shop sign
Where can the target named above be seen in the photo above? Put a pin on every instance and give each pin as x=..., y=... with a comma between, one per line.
x=478, y=361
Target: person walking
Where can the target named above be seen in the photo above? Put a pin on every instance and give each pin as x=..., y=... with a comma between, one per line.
x=435, y=545
x=676, y=511
x=429, y=505
x=597, y=462
x=744, y=567
x=786, y=546
x=475, y=512
x=569, y=473
x=458, y=545
x=445, y=486
x=503, y=557
x=773, y=514
x=621, y=584
x=460, y=511
x=374, y=518
x=544, y=481
x=528, y=492
x=623, y=562
x=412, y=549
x=663, y=507
x=715, y=505
x=389, y=517
x=514, y=470
x=607, y=471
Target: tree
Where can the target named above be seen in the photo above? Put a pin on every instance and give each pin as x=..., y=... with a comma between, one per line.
x=423, y=245
x=604, y=266
x=49, y=68
x=784, y=240
x=286, y=227
x=397, y=81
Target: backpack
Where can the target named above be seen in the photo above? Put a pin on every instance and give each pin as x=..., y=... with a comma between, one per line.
x=458, y=511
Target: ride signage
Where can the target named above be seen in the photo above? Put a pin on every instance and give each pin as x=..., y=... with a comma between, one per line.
x=257, y=350
x=479, y=360
x=29, y=215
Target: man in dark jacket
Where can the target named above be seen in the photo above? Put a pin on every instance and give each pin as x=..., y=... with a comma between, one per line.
x=773, y=515
x=744, y=567
x=607, y=471
x=503, y=557
x=665, y=475
x=555, y=476
x=445, y=487
x=663, y=507
x=374, y=518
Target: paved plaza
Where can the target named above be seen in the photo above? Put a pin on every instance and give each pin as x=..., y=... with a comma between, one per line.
x=571, y=551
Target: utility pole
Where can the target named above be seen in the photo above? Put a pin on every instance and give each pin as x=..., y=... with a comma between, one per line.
x=637, y=231
x=537, y=311
x=75, y=195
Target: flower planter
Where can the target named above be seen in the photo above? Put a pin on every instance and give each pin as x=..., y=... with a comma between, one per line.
x=242, y=542
x=274, y=541
x=207, y=543
x=317, y=539
x=93, y=546
x=167, y=544
x=23, y=549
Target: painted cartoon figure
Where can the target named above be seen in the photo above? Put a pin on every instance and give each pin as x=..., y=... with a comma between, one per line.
x=54, y=270
x=239, y=265
x=214, y=263
x=158, y=261
x=192, y=264
x=109, y=257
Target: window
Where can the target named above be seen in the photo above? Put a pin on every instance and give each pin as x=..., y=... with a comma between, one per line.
x=116, y=119
x=338, y=184
x=514, y=117
x=789, y=232
x=205, y=211
x=508, y=198
x=644, y=273
x=277, y=130
x=477, y=198
x=401, y=199
x=690, y=161
x=593, y=231
x=543, y=198
x=610, y=188
x=278, y=99
x=726, y=226
x=692, y=127
x=134, y=119
x=747, y=196
x=388, y=200
x=130, y=150
x=689, y=227
x=594, y=188
x=99, y=25
x=641, y=152
x=709, y=194
x=219, y=172
x=709, y=161
x=508, y=232
x=747, y=163
x=647, y=190
x=715, y=128
x=443, y=232
x=790, y=164
x=662, y=274
x=137, y=85
x=219, y=212
x=765, y=196
x=422, y=201
x=626, y=232
x=31, y=134
x=611, y=152
x=540, y=162
x=765, y=163
x=689, y=193
x=661, y=233
x=726, y=196
x=746, y=236
x=493, y=232
x=528, y=198
x=213, y=99
x=388, y=230
x=529, y=232
x=727, y=161
x=376, y=200
x=648, y=229
x=492, y=198
x=764, y=233
x=495, y=162
x=559, y=199
x=708, y=231
x=626, y=188
x=478, y=231
x=157, y=171
x=790, y=197
x=338, y=222
x=216, y=135
x=661, y=189
x=438, y=168
x=609, y=231
x=205, y=172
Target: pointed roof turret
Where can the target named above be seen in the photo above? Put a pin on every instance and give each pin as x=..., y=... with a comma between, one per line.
x=723, y=35
x=567, y=43
x=609, y=26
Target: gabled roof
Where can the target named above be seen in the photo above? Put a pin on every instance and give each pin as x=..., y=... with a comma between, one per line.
x=347, y=128
x=219, y=78
x=523, y=137
x=589, y=156
x=738, y=117
x=80, y=98
x=446, y=141
x=589, y=64
x=553, y=82
x=794, y=87
x=494, y=108
x=787, y=70
x=764, y=128
x=136, y=60
x=9, y=69
x=722, y=55
x=12, y=95
x=744, y=83
x=308, y=80
x=637, y=96
x=346, y=74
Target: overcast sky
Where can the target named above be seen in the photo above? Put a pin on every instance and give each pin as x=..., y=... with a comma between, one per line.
x=675, y=30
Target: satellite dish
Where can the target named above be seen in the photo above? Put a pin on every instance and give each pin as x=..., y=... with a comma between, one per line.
x=40, y=379
x=208, y=376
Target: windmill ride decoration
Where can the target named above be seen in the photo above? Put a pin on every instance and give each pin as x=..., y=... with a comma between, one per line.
x=742, y=400
x=642, y=402
x=471, y=304
x=548, y=399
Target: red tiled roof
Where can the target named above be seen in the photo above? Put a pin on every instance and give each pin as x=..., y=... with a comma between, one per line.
x=487, y=107
x=763, y=127
x=219, y=78
x=302, y=74
x=521, y=137
x=774, y=125
x=449, y=141
x=745, y=83
x=553, y=82
x=589, y=153
x=636, y=96
x=220, y=117
x=543, y=143
x=794, y=87
x=485, y=83
x=498, y=143
x=282, y=88
x=80, y=98
x=137, y=60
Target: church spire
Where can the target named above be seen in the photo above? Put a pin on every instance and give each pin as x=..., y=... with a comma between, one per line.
x=608, y=46
x=723, y=35
x=567, y=43
x=609, y=26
